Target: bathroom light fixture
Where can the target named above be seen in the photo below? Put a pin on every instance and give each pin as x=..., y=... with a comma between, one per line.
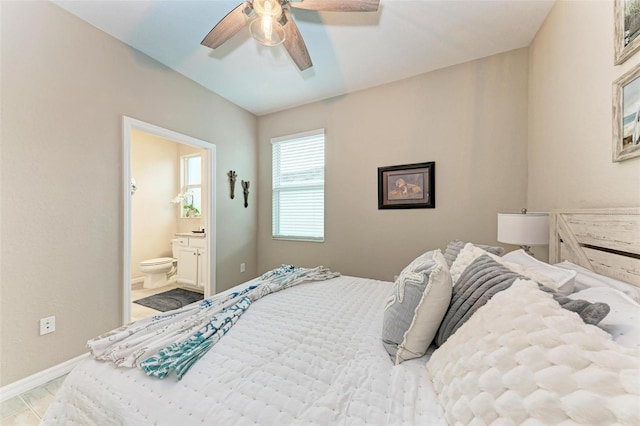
x=265, y=28
x=524, y=229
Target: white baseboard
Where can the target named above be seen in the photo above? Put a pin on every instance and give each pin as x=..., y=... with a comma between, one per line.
x=24, y=385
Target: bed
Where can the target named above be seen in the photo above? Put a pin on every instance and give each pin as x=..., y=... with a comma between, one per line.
x=315, y=354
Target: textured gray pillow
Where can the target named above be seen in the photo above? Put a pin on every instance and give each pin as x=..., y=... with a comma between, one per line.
x=455, y=246
x=485, y=277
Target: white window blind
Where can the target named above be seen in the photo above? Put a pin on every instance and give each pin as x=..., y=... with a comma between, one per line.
x=298, y=186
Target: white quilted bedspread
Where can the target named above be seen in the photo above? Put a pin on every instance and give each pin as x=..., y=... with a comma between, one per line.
x=311, y=354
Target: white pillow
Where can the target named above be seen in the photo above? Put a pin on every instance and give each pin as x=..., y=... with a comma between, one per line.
x=587, y=279
x=471, y=252
x=534, y=363
x=564, y=278
x=623, y=320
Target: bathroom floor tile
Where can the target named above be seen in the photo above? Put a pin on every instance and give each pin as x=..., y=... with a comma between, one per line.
x=144, y=292
x=139, y=312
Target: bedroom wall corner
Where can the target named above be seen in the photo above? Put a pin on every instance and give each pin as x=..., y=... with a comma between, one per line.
x=571, y=73
x=471, y=119
x=65, y=87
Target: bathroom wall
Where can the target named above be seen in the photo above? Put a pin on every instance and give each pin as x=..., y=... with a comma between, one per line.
x=155, y=165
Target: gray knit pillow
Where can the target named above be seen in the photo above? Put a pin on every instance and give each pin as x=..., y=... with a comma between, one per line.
x=485, y=277
x=591, y=313
x=455, y=247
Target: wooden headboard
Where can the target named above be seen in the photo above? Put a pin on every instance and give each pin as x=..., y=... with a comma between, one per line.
x=606, y=241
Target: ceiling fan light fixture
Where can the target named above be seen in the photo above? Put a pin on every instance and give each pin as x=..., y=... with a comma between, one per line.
x=270, y=23
x=266, y=28
x=267, y=31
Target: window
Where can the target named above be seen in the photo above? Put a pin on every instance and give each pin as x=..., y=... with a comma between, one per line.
x=191, y=185
x=298, y=186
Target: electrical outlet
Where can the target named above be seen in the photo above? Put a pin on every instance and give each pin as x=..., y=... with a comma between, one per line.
x=242, y=267
x=47, y=325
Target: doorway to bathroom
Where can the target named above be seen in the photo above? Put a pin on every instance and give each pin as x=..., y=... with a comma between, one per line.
x=168, y=200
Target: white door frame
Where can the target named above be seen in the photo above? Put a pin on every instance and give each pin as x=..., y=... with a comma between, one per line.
x=129, y=124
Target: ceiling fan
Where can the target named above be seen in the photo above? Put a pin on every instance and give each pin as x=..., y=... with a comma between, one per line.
x=270, y=23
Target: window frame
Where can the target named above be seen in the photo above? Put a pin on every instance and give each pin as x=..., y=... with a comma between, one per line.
x=184, y=187
x=275, y=207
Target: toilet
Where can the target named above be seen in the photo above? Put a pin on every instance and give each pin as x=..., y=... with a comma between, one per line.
x=158, y=271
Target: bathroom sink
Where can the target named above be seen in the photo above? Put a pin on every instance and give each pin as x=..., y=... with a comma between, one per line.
x=192, y=234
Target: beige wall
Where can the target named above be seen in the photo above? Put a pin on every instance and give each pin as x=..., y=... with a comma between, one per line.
x=571, y=73
x=155, y=164
x=65, y=87
x=471, y=119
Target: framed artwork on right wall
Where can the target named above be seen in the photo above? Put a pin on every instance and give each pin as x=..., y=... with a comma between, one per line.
x=626, y=115
x=626, y=29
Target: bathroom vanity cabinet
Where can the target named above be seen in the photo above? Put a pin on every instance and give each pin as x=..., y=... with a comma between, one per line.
x=192, y=261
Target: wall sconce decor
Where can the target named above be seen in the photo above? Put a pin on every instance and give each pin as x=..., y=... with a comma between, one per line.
x=232, y=183
x=245, y=190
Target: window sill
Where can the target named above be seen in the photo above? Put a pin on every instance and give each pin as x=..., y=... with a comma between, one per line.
x=306, y=240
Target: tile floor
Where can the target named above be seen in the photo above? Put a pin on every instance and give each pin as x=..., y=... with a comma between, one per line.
x=28, y=408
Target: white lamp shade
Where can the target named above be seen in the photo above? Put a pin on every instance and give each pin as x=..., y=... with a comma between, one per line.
x=530, y=229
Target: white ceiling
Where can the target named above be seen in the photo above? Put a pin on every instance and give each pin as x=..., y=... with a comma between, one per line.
x=350, y=51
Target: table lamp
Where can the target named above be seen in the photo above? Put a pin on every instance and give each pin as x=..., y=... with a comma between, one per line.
x=524, y=229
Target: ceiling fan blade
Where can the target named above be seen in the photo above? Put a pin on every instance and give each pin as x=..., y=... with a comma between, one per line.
x=294, y=43
x=337, y=5
x=227, y=27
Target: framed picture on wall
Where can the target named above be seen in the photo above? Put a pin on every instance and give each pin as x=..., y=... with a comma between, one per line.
x=626, y=116
x=409, y=186
x=626, y=29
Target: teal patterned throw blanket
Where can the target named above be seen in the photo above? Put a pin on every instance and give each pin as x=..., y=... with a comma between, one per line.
x=175, y=340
